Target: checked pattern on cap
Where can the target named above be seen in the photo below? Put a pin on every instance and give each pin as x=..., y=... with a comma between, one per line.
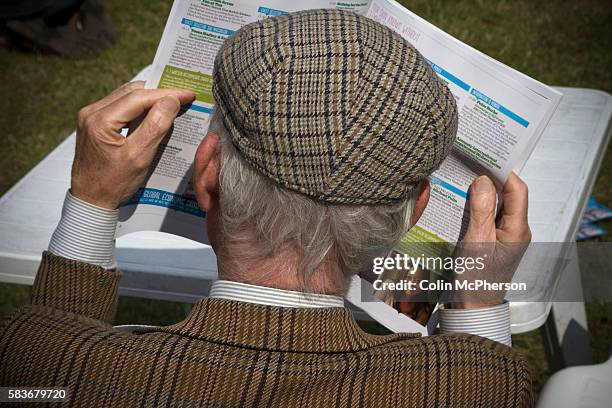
x=333, y=105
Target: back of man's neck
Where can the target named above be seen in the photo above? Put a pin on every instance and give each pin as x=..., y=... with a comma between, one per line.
x=277, y=271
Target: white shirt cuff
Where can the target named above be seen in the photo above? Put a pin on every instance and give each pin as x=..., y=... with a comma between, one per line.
x=85, y=233
x=490, y=322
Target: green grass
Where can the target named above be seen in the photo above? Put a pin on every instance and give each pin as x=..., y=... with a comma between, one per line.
x=558, y=42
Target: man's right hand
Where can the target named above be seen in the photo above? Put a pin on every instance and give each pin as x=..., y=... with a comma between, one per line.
x=500, y=242
x=512, y=225
x=108, y=168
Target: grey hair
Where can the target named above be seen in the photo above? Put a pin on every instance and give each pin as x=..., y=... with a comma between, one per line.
x=257, y=211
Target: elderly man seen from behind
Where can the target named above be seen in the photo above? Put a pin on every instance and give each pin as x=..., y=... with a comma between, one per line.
x=326, y=128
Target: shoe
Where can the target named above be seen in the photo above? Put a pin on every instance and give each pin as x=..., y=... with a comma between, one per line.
x=85, y=35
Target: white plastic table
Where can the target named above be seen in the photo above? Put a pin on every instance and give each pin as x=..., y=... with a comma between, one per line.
x=560, y=174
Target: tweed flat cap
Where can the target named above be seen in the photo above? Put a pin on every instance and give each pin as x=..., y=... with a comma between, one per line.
x=334, y=105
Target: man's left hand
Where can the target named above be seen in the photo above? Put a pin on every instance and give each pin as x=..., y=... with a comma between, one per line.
x=108, y=168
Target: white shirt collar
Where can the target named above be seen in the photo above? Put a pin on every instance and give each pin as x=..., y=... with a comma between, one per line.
x=262, y=295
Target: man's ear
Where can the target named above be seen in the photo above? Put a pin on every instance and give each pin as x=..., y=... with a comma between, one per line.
x=206, y=171
x=421, y=201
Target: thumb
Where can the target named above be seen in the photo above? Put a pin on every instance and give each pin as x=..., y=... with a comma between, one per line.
x=158, y=122
x=481, y=227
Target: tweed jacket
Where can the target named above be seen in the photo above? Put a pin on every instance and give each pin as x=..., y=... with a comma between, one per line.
x=234, y=354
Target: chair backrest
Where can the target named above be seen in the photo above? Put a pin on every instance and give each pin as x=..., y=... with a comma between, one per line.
x=579, y=387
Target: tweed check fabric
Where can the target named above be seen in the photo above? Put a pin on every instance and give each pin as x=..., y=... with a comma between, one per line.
x=233, y=354
x=334, y=105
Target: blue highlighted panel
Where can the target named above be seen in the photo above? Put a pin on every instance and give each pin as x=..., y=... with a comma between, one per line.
x=270, y=12
x=199, y=108
x=206, y=27
x=438, y=70
x=480, y=96
x=166, y=199
x=448, y=186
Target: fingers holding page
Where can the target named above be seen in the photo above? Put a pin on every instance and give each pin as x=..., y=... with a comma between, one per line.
x=132, y=105
x=513, y=223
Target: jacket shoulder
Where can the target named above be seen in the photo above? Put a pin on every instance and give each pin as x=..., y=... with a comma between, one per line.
x=39, y=342
x=458, y=367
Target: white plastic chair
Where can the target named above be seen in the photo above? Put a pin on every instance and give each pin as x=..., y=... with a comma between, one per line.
x=579, y=387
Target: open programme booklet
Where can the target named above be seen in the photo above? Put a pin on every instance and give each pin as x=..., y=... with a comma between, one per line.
x=502, y=113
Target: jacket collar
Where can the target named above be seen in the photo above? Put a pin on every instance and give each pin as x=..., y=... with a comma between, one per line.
x=318, y=330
